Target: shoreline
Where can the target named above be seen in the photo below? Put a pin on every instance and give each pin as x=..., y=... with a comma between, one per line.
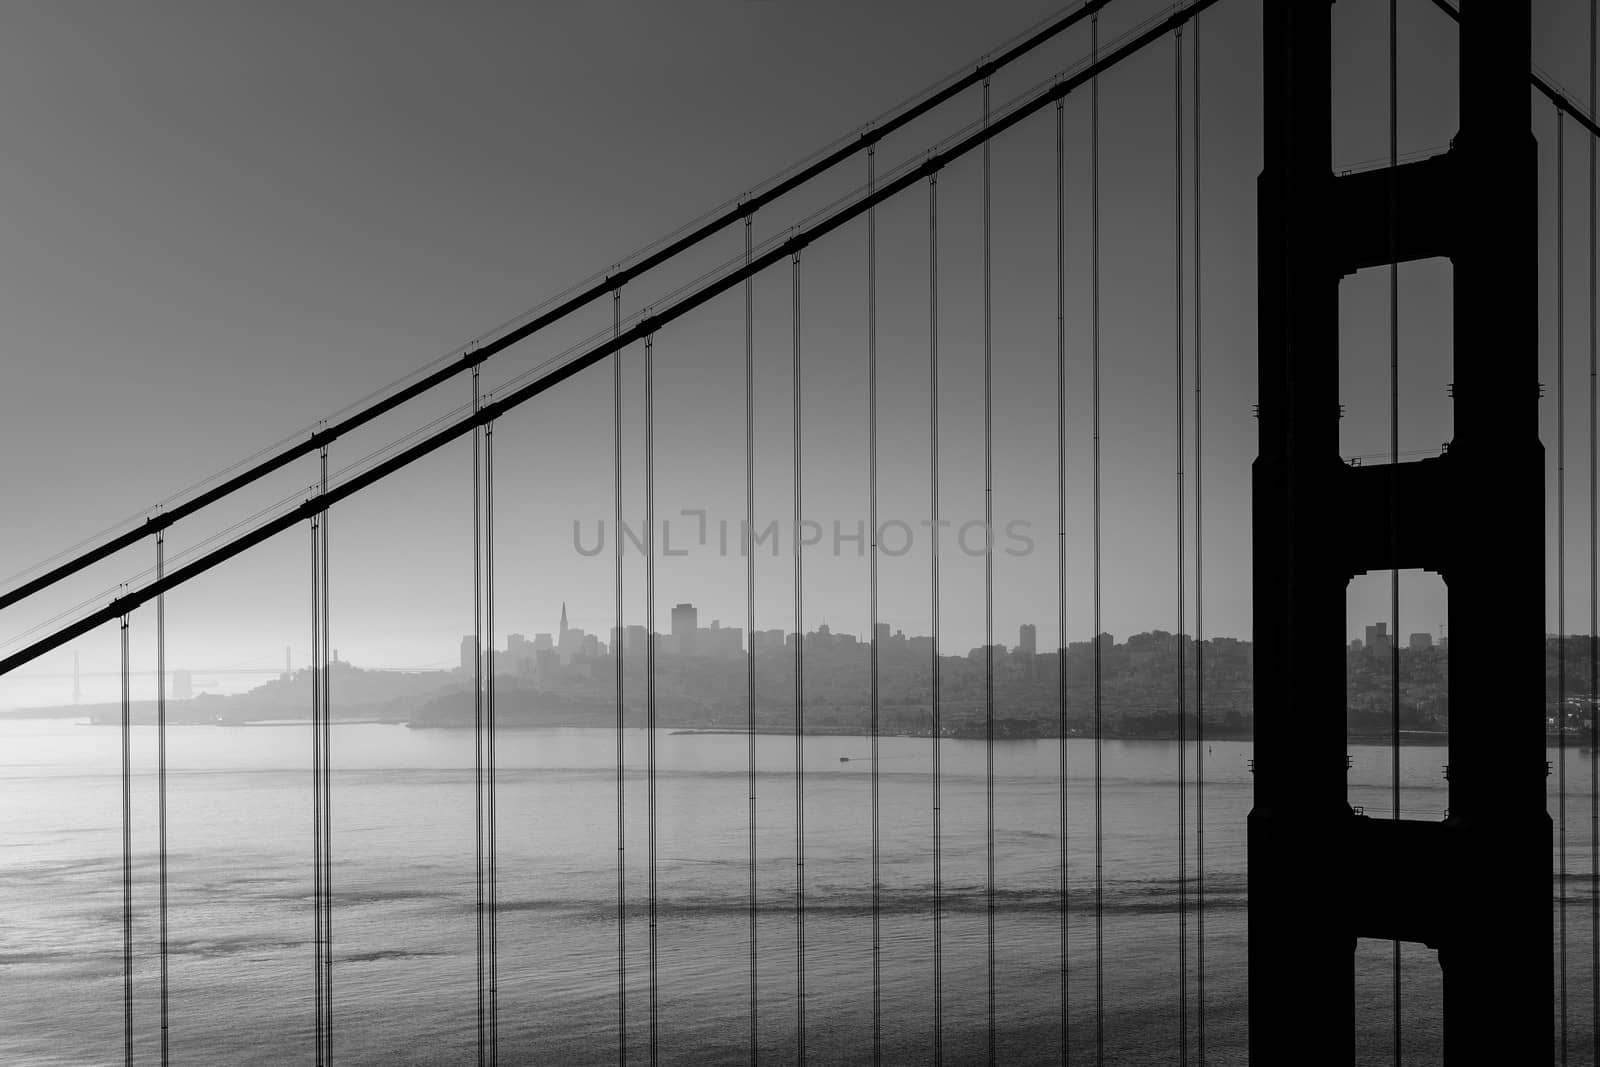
x=1407, y=738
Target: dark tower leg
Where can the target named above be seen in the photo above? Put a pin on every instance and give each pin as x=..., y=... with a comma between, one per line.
x=1497, y=954
x=1301, y=954
x=1477, y=886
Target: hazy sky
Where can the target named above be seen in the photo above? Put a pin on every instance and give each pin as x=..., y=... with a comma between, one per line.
x=225, y=221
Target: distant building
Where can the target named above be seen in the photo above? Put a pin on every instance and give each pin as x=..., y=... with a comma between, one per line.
x=634, y=640
x=685, y=621
x=1421, y=642
x=569, y=640
x=547, y=663
x=519, y=656
x=469, y=655
x=723, y=642
x=1378, y=639
x=1028, y=639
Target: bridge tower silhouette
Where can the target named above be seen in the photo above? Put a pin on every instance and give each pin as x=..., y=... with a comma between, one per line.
x=1476, y=886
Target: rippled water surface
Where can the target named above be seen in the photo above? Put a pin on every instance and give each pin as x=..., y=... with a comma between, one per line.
x=240, y=922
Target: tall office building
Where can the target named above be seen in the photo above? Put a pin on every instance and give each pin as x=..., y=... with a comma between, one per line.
x=1378, y=639
x=684, y=622
x=635, y=639
x=723, y=642
x=519, y=655
x=570, y=642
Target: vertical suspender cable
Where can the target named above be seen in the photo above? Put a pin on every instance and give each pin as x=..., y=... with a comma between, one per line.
x=750, y=630
x=1594, y=571
x=1199, y=603
x=327, y=783
x=799, y=701
x=477, y=724
x=1061, y=560
x=1394, y=469
x=316, y=785
x=1561, y=571
x=1179, y=398
x=933, y=509
x=493, y=943
x=616, y=653
x=650, y=678
x=872, y=583
x=127, y=856
x=988, y=593
x=1099, y=694
x=161, y=773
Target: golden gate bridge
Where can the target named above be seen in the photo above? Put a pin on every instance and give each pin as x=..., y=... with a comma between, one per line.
x=1475, y=885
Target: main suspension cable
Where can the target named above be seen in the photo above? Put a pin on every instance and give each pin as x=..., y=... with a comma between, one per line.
x=551, y=310
x=578, y=362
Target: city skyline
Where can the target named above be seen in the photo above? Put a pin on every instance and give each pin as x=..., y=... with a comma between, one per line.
x=47, y=683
